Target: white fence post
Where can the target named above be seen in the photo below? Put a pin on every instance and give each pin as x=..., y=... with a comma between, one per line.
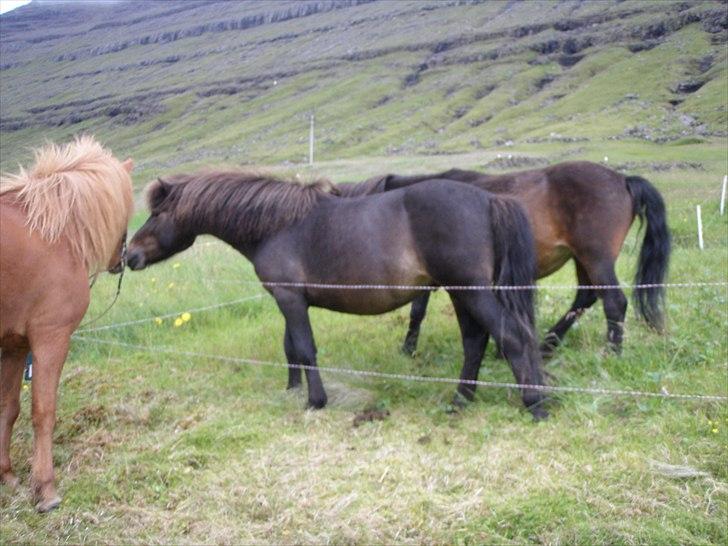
x=700, y=227
x=310, y=143
x=722, y=195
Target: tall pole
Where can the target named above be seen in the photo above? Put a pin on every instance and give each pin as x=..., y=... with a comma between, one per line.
x=310, y=143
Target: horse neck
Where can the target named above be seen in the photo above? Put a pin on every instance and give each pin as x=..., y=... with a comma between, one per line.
x=213, y=224
x=243, y=226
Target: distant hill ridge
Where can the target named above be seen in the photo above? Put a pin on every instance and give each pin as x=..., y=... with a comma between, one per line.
x=386, y=77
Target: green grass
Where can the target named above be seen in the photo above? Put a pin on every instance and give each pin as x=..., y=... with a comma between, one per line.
x=152, y=447
x=161, y=448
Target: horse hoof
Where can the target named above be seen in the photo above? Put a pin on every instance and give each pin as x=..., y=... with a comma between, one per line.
x=10, y=480
x=539, y=414
x=461, y=400
x=408, y=349
x=614, y=348
x=318, y=403
x=547, y=351
x=47, y=505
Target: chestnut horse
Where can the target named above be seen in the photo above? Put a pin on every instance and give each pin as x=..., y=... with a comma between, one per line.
x=578, y=210
x=299, y=237
x=60, y=222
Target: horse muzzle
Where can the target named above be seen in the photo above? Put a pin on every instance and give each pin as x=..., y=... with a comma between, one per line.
x=136, y=260
x=118, y=268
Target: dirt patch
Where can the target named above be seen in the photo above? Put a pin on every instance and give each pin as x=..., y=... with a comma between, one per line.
x=370, y=415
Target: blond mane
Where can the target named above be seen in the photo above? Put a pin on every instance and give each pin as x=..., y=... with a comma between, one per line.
x=78, y=191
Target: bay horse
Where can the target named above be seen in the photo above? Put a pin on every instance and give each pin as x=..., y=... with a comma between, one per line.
x=61, y=221
x=578, y=210
x=299, y=237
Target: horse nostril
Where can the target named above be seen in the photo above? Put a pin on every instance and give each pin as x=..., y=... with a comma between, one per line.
x=135, y=260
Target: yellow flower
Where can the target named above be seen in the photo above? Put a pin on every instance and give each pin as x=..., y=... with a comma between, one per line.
x=178, y=322
x=154, y=279
x=185, y=316
x=170, y=285
x=176, y=265
x=25, y=387
x=158, y=321
x=715, y=430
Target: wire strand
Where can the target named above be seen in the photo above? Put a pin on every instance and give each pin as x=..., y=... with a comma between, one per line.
x=407, y=377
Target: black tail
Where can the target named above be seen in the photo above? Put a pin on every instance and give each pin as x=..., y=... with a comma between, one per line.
x=655, y=254
x=515, y=259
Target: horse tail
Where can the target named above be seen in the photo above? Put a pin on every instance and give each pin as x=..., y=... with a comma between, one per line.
x=514, y=259
x=655, y=253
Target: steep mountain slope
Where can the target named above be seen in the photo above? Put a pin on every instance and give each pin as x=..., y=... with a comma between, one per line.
x=177, y=81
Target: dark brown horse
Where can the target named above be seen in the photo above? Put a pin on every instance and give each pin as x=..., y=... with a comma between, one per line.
x=581, y=211
x=60, y=222
x=434, y=233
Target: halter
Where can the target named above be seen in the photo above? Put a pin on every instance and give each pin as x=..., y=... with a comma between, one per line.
x=122, y=262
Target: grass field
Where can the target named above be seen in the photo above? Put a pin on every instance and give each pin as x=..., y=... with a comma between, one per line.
x=158, y=448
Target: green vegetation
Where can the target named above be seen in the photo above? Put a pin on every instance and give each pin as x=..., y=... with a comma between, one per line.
x=153, y=447
x=384, y=78
x=164, y=448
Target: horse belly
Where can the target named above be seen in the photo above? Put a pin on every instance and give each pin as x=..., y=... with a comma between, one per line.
x=370, y=301
x=369, y=257
x=551, y=258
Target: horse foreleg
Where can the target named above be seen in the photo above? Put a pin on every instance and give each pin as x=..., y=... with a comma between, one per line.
x=12, y=362
x=294, y=372
x=585, y=298
x=49, y=354
x=417, y=314
x=298, y=325
x=475, y=339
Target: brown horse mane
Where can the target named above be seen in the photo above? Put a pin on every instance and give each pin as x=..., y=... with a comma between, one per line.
x=240, y=204
x=78, y=191
x=369, y=186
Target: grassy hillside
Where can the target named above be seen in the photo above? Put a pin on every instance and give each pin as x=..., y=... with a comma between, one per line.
x=174, y=83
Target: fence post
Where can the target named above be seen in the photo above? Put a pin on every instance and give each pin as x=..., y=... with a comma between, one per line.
x=722, y=195
x=700, y=227
x=310, y=143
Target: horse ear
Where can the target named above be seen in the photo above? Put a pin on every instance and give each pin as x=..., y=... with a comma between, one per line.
x=157, y=192
x=128, y=164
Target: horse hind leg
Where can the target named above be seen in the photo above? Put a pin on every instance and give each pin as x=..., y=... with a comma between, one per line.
x=49, y=354
x=516, y=342
x=584, y=299
x=475, y=340
x=601, y=272
x=12, y=363
x=417, y=314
